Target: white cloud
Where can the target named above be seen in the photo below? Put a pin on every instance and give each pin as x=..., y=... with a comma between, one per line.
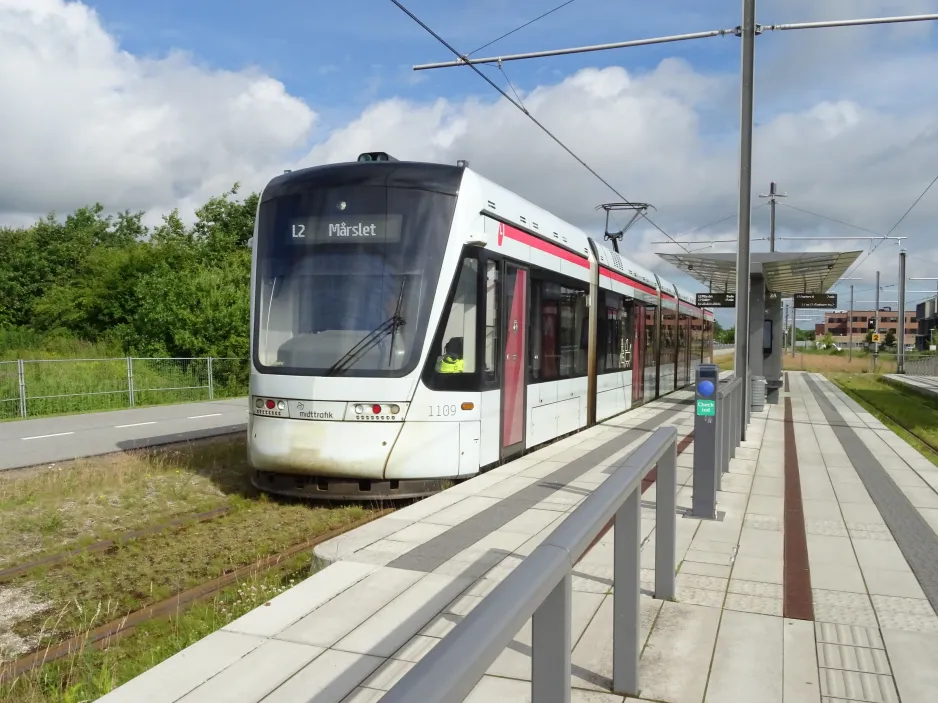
x=843, y=158
x=84, y=120
x=93, y=122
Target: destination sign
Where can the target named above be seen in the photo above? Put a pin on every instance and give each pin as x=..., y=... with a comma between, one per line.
x=815, y=300
x=351, y=229
x=716, y=300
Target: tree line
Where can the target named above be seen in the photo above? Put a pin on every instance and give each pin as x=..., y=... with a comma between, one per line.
x=171, y=290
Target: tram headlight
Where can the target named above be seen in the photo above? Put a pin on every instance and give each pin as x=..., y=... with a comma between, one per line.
x=281, y=405
x=259, y=403
x=359, y=409
x=395, y=409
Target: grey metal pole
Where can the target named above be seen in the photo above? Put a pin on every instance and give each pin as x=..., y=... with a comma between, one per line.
x=785, y=327
x=626, y=603
x=900, y=328
x=748, y=34
x=551, y=640
x=21, y=376
x=849, y=23
x=794, y=326
x=772, y=216
x=850, y=332
x=773, y=196
x=466, y=61
x=211, y=379
x=130, y=380
x=665, y=524
x=876, y=323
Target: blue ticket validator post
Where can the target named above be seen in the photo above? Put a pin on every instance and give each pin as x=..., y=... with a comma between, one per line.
x=707, y=467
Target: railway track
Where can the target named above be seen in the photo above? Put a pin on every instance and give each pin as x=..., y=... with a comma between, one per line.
x=59, y=558
x=886, y=414
x=116, y=630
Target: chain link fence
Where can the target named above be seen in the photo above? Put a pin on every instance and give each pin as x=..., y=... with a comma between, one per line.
x=35, y=388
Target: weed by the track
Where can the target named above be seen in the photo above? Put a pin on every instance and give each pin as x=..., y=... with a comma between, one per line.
x=91, y=672
x=54, y=510
x=910, y=415
x=65, y=505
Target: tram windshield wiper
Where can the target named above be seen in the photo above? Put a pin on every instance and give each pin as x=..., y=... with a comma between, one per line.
x=368, y=342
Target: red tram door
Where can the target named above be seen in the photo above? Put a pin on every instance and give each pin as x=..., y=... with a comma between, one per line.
x=513, y=384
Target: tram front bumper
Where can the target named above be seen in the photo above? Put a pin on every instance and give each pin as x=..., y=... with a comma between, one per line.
x=321, y=448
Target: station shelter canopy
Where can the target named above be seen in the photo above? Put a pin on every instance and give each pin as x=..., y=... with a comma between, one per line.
x=785, y=273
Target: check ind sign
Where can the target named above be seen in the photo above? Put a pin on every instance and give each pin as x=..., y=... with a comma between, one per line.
x=706, y=408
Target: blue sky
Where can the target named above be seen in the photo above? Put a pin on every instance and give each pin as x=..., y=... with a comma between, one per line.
x=342, y=56
x=340, y=61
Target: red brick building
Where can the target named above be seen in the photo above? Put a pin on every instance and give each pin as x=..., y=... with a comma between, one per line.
x=838, y=324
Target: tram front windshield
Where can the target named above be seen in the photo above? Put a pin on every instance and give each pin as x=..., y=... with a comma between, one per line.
x=345, y=279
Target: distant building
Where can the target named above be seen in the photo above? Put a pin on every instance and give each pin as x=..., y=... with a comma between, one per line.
x=838, y=325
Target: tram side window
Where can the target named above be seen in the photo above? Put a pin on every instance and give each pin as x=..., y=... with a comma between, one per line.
x=650, y=359
x=615, y=333
x=668, y=336
x=547, y=300
x=491, y=320
x=458, y=353
x=573, y=317
x=535, y=332
x=708, y=341
x=699, y=336
x=559, y=330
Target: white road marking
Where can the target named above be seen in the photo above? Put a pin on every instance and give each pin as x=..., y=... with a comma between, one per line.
x=198, y=417
x=135, y=424
x=43, y=436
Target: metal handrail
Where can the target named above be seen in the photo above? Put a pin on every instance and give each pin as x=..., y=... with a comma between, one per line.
x=541, y=587
x=729, y=422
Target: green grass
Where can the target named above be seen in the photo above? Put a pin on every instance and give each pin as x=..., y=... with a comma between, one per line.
x=907, y=413
x=87, y=500
x=53, y=510
x=91, y=673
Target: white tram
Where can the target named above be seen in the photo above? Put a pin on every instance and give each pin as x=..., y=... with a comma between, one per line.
x=415, y=322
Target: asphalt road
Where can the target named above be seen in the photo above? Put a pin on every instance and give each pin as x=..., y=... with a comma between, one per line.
x=52, y=439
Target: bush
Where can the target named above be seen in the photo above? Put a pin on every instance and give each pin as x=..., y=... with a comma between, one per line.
x=97, y=286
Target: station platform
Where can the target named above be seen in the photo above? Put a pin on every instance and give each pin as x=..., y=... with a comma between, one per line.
x=926, y=385
x=818, y=581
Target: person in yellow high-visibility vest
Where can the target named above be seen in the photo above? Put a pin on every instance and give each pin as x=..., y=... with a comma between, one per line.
x=451, y=361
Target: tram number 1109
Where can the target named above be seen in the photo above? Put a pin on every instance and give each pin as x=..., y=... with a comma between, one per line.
x=442, y=410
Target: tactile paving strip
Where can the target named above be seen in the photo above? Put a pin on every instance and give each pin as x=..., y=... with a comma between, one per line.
x=797, y=600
